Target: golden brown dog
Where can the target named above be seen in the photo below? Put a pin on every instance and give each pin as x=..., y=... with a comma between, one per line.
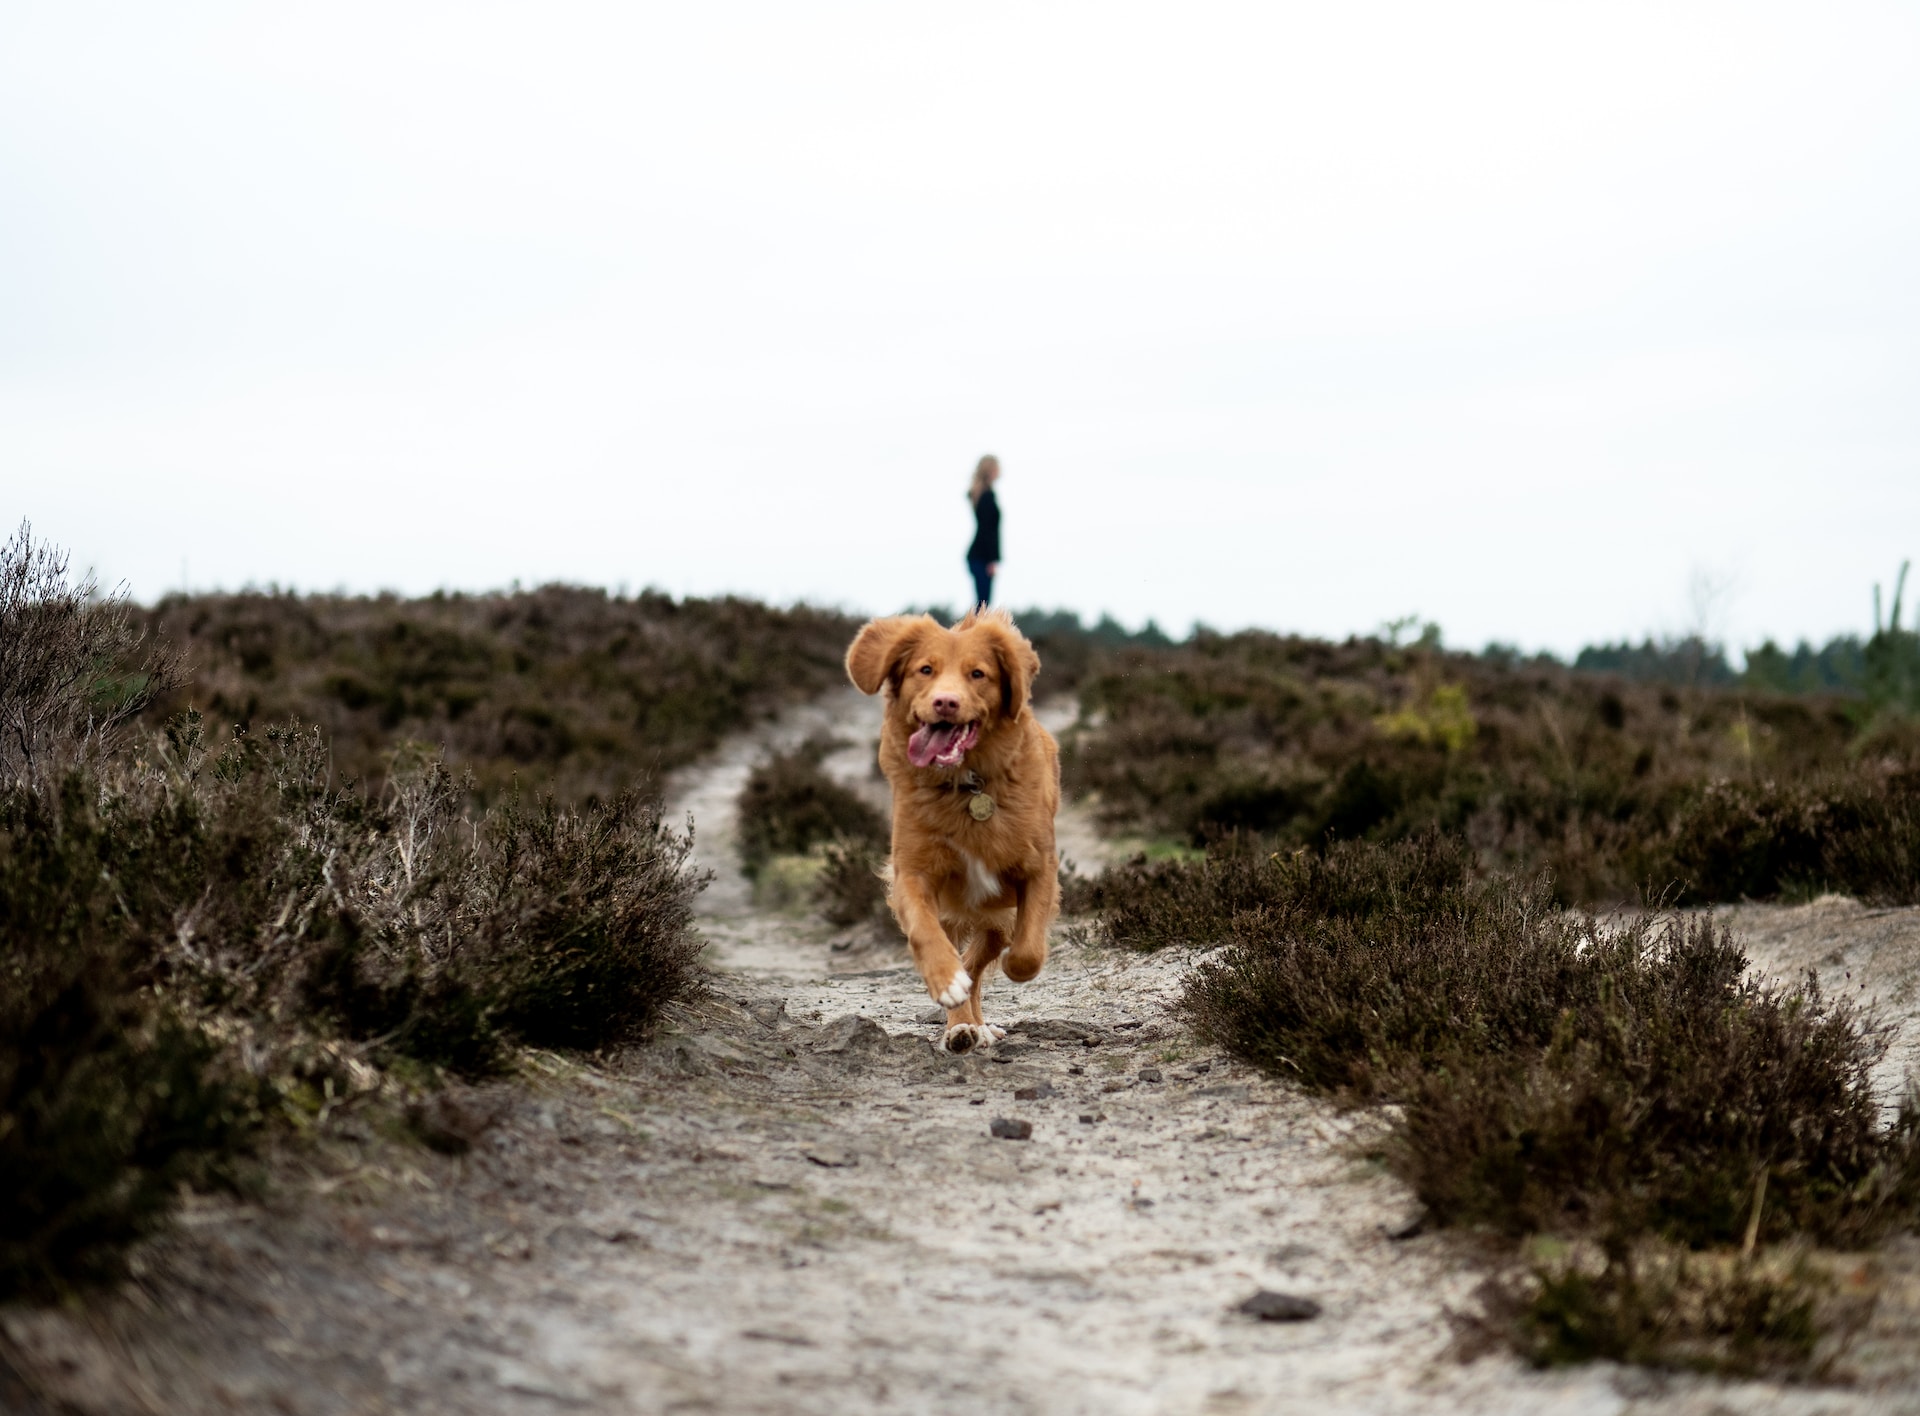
x=976, y=785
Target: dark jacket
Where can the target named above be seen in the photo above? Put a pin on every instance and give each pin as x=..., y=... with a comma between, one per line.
x=986, y=541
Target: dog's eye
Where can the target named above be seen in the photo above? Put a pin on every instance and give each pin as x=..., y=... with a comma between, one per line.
x=979, y=673
x=926, y=668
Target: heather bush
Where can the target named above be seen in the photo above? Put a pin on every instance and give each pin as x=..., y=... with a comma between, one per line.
x=1856, y=834
x=565, y=689
x=424, y=931
x=1239, y=887
x=75, y=667
x=790, y=806
x=204, y=933
x=110, y=1097
x=1782, y=1314
x=584, y=920
x=1614, y=1082
x=852, y=888
x=793, y=813
x=1613, y=786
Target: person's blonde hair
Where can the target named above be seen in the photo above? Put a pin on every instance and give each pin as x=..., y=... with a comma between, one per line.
x=983, y=475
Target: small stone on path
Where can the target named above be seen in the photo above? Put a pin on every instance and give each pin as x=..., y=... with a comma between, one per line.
x=1271, y=1307
x=832, y=1157
x=1035, y=1093
x=1151, y=1074
x=1406, y=1226
x=1006, y=1129
x=770, y=1015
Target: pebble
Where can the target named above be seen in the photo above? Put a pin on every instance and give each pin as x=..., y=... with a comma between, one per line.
x=1151, y=1074
x=1006, y=1129
x=1229, y=1091
x=1035, y=1093
x=1271, y=1307
x=1088, y=1118
x=853, y=1036
x=1406, y=1226
x=449, y=1124
x=832, y=1157
x=770, y=1015
x=1054, y=1030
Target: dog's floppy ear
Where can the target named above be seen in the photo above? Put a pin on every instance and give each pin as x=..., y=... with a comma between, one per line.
x=1018, y=666
x=880, y=651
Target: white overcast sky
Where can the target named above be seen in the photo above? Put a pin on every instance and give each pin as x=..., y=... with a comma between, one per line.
x=1529, y=319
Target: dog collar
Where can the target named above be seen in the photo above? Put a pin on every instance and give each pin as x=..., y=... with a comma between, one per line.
x=981, y=806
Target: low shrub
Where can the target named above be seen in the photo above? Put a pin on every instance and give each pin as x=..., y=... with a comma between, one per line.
x=432, y=934
x=193, y=932
x=184, y=939
x=76, y=669
x=852, y=888
x=1857, y=834
x=790, y=806
x=1613, y=786
x=110, y=1098
x=1610, y=1081
x=586, y=924
x=792, y=812
x=1240, y=886
x=565, y=689
x=1780, y=1314
x=1559, y=1073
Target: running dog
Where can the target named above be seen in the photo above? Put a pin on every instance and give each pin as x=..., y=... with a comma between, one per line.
x=975, y=874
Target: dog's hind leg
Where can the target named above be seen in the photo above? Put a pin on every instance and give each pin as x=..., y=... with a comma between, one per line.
x=1039, y=905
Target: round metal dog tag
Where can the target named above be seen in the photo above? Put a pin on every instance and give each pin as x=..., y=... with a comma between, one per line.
x=981, y=806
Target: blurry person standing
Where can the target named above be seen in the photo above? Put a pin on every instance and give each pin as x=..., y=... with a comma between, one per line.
x=983, y=556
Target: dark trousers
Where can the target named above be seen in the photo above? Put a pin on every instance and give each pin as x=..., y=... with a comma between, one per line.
x=982, y=581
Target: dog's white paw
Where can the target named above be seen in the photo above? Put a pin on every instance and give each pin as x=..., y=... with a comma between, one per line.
x=965, y=1037
x=957, y=991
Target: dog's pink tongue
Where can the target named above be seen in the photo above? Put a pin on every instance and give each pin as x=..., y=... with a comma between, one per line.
x=927, y=742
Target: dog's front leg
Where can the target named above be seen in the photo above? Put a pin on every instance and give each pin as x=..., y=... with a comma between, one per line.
x=1039, y=903
x=967, y=1027
x=948, y=982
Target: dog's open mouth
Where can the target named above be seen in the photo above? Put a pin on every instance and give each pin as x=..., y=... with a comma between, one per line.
x=942, y=744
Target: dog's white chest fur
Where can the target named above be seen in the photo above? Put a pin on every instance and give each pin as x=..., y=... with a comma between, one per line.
x=982, y=884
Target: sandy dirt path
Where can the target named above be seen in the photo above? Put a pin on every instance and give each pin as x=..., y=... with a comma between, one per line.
x=789, y=1202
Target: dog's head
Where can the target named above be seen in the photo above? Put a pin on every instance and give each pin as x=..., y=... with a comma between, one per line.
x=949, y=687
